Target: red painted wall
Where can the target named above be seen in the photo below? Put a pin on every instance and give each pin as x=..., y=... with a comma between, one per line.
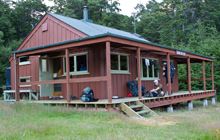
x=119, y=81
x=56, y=31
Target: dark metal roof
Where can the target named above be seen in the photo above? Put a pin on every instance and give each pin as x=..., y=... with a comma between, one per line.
x=105, y=35
x=92, y=29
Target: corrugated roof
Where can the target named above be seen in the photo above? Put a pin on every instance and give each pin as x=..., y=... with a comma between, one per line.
x=92, y=29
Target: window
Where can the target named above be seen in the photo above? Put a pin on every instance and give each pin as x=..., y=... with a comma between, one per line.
x=78, y=64
x=25, y=79
x=119, y=63
x=150, y=68
x=24, y=60
x=57, y=87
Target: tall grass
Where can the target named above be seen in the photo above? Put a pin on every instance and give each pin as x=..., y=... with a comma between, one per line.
x=31, y=121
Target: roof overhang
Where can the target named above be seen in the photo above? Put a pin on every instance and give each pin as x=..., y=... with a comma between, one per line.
x=111, y=38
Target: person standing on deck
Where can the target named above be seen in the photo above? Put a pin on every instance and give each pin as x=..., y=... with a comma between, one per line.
x=158, y=89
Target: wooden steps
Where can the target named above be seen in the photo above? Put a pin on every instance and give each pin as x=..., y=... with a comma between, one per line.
x=143, y=112
x=136, y=109
x=136, y=106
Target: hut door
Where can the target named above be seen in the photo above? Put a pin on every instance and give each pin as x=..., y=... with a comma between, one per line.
x=46, y=73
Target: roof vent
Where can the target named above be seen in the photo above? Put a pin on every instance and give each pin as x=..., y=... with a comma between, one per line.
x=85, y=13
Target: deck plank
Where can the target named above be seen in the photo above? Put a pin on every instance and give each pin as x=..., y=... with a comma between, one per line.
x=179, y=94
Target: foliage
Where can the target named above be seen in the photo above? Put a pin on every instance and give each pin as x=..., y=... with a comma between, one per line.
x=26, y=14
x=5, y=54
x=187, y=25
x=7, y=29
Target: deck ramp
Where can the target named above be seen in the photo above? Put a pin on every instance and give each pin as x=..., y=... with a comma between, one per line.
x=136, y=109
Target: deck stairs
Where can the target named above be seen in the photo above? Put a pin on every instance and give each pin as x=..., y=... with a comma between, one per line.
x=137, y=109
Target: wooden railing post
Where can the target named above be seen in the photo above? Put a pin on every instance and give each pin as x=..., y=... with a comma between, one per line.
x=108, y=71
x=212, y=74
x=67, y=75
x=204, y=75
x=189, y=75
x=17, y=81
x=139, y=72
x=168, y=74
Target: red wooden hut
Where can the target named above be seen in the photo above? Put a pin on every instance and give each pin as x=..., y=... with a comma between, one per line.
x=62, y=55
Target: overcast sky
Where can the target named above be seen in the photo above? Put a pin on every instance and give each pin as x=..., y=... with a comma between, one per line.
x=126, y=6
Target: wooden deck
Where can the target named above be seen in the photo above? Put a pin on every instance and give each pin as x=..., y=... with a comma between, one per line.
x=178, y=97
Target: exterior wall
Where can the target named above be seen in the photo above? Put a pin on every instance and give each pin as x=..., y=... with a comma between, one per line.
x=96, y=68
x=50, y=31
x=31, y=70
x=55, y=31
x=119, y=81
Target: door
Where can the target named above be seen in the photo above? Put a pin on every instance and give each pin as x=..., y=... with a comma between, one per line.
x=46, y=73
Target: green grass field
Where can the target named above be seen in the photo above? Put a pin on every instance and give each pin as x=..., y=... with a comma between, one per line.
x=29, y=121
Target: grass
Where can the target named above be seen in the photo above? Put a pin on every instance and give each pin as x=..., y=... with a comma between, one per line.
x=30, y=121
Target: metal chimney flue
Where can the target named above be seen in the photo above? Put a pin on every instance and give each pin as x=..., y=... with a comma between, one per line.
x=85, y=13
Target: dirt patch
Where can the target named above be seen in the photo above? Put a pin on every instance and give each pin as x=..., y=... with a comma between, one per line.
x=157, y=121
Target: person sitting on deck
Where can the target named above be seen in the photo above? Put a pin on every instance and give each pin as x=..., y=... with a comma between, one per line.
x=158, y=90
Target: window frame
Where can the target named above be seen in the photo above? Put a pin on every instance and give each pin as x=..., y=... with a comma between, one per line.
x=25, y=77
x=153, y=69
x=75, y=72
x=25, y=62
x=119, y=71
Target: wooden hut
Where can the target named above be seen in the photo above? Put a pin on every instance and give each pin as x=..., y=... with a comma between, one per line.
x=62, y=55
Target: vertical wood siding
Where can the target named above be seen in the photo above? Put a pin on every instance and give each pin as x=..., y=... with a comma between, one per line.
x=58, y=32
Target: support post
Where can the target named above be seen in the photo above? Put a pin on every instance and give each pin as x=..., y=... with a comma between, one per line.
x=212, y=73
x=17, y=81
x=139, y=72
x=190, y=105
x=189, y=75
x=170, y=109
x=205, y=102
x=67, y=75
x=213, y=101
x=108, y=71
x=204, y=75
x=168, y=74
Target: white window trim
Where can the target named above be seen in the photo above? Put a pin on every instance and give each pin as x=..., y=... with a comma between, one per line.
x=75, y=72
x=148, y=78
x=23, y=86
x=25, y=62
x=119, y=71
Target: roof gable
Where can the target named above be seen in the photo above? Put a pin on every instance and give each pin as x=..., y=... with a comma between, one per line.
x=49, y=31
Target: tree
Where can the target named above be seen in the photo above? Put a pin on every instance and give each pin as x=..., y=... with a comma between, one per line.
x=6, y=28
x=26, y=15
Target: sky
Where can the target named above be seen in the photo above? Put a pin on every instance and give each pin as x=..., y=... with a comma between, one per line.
x=126, y=6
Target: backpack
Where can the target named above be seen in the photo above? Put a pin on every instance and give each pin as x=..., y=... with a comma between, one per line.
x=87, y=95
x=133, y=88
